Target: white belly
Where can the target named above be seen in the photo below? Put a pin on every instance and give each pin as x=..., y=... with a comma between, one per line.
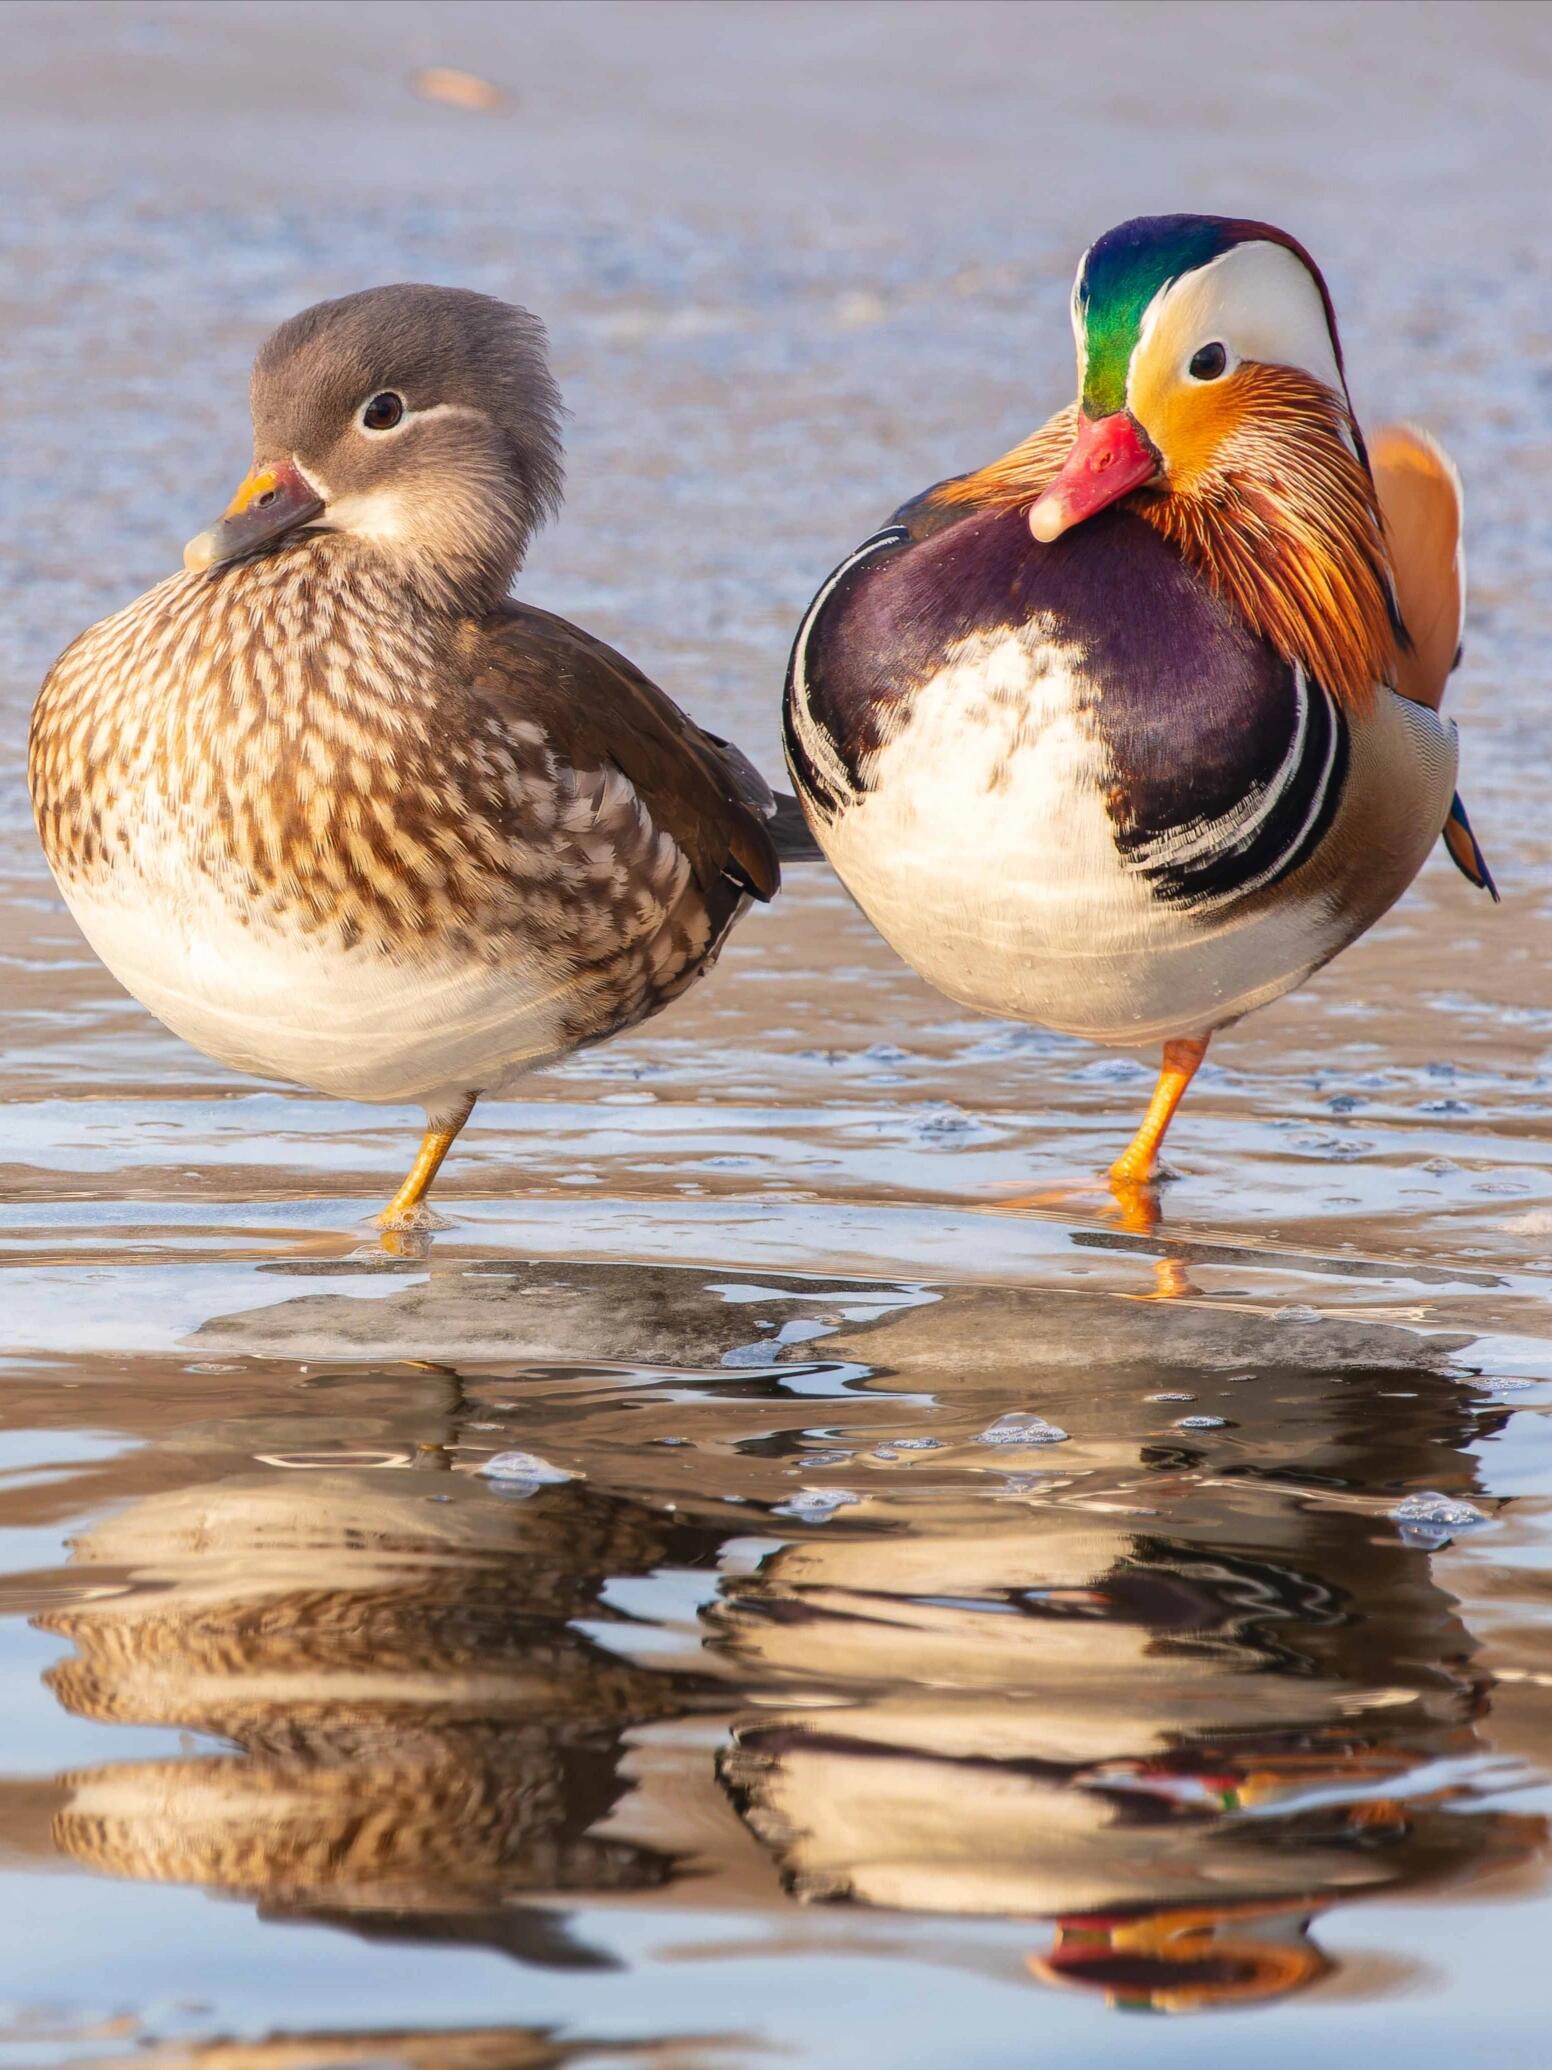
x=350, y=1022
x=984, y=855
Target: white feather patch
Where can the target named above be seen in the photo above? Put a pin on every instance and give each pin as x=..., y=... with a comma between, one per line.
x=984, y=854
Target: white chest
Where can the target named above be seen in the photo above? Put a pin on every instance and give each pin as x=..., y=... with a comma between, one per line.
x=356, y=1023
x=984, y=853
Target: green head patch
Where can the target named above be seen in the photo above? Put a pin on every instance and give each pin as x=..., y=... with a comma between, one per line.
x=1119, y=277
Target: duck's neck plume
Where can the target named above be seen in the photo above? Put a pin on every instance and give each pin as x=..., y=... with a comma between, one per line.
x=1285, y=525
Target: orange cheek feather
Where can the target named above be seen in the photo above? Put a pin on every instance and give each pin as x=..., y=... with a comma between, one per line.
x=1191, y=424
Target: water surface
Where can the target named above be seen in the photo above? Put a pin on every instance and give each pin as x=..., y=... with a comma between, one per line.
x=949, y=1614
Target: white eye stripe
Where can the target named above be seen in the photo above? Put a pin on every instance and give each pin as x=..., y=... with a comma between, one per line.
x=315, y=480
x=1256, y=300
x=411, y=415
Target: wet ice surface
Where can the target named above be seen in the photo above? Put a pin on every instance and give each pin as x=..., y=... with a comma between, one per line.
x=793, y=1721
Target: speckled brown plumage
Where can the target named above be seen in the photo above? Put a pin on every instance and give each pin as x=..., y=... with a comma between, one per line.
x=425, y=1734
x=352, y=767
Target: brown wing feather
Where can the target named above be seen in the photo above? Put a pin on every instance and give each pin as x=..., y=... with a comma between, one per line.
x=1420, y=500
x=597, y=708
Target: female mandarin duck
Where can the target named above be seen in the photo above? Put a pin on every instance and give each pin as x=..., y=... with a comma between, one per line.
x=335, y=808
x=1130, y=731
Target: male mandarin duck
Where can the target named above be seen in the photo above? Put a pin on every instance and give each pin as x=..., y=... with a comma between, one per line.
x=1130, y=731
x=337, y=809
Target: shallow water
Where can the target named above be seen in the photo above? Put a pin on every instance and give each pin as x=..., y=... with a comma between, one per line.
x=958, y=1613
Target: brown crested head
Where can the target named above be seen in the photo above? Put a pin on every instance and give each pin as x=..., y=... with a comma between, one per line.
x=420, y=422
x=1212, y=394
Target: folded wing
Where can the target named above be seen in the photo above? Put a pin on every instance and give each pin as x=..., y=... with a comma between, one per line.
x=597, y=709
x=1420, y=498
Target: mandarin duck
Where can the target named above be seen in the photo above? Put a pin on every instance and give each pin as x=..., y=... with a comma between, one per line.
x=1130, y=731
x=337, y=809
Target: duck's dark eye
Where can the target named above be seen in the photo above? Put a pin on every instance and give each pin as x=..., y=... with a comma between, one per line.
x=384, y=411
x=1206, y=365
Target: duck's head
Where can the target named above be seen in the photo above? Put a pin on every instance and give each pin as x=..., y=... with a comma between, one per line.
x=1212, y=400
x=420, y=422
x=1192, y=333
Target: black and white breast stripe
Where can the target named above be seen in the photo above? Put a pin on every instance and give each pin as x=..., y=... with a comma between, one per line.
x=821, y=753
x=1207, y=861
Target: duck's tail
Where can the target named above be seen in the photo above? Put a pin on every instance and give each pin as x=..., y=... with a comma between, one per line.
x=789, y=830
x=1465, y=851
x=781, y=812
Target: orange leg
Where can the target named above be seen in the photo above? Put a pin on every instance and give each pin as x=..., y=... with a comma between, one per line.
x=404, y=1209
x=1135, y=1165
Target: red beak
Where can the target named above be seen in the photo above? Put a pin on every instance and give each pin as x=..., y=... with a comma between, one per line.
x=1110, y=457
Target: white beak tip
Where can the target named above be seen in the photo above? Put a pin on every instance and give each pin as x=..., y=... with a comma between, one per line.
x=199, y=554
x=1047, y=519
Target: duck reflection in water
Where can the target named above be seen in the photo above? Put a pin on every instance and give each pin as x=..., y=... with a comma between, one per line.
x=1171, y=1692
x=420, y=1737
x=1178, y=1734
